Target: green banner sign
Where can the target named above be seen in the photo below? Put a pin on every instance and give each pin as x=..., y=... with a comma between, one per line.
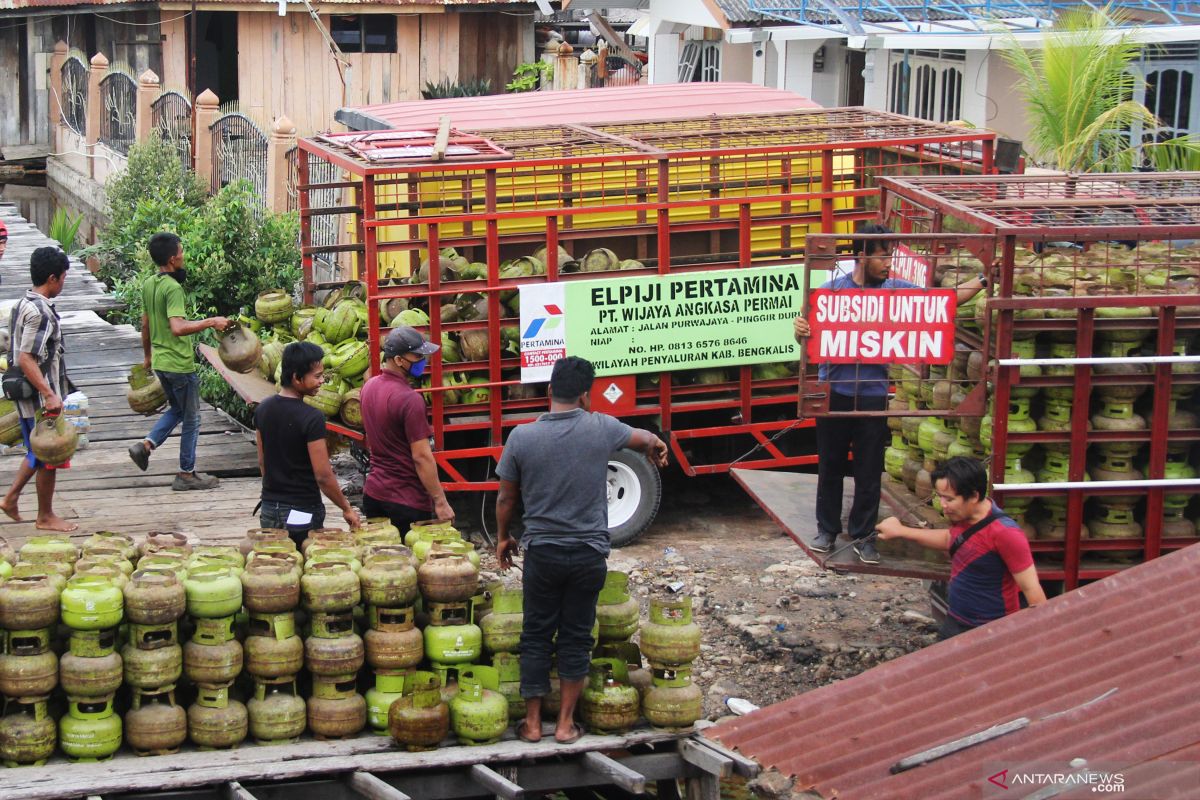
x=682, y=321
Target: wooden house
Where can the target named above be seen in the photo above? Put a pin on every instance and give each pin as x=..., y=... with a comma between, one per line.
x=271, y=58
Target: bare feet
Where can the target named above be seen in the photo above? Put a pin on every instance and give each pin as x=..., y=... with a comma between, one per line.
x=53, y=522
x=11, y=511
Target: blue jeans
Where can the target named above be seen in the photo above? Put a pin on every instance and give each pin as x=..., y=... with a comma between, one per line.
x=561, y=585
x=274, y=515
x=183, y=404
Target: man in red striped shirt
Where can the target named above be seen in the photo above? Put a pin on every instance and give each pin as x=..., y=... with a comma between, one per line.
x=990, y=560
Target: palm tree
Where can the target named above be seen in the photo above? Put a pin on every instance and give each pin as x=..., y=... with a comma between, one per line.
x=1078, y=87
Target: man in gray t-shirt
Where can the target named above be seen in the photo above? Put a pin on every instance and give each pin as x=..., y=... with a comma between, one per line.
x=558, y=466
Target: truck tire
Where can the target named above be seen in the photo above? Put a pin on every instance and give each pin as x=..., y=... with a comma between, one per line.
x=634, y=491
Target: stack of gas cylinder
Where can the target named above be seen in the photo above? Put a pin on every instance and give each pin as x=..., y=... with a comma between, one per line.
x=268, y=640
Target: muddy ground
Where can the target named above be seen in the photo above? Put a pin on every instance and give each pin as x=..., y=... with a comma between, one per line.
x=773, y=623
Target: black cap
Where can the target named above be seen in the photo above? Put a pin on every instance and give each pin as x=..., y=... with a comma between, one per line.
x=407, y=340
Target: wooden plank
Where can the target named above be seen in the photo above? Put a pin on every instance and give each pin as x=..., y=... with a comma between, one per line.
x=235, y=791
x=373, y=788
x=290, y=762
x=442, y=140
x=943, y=750
x=789, y=498
x=704, y=787
x=616, y=772
x=496, y=783
x=251, y=386
x=746, y=767
x=706, y=759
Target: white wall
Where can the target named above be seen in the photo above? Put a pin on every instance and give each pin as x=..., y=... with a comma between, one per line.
x=737, y=62
x=975, y=104
x=824, y=87
x=1006, y=111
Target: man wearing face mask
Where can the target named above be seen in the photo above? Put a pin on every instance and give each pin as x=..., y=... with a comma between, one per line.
x=168, y=350
x=403, y=482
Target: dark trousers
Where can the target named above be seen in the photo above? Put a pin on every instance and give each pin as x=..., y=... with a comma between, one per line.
x=274, y=515
x=561, y=585
x=837, y=437
x=952, y=627
x=400, y=515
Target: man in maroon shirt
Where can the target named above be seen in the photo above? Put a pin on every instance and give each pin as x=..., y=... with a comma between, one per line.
x=402, y=484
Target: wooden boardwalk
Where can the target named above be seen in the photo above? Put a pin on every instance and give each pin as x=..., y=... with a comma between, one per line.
x=104, y=490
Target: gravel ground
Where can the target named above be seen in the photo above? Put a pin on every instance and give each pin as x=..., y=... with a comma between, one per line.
x=773, y=623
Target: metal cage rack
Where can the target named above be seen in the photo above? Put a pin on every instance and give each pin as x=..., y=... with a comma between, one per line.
x=665, y=196
x=1099, y=277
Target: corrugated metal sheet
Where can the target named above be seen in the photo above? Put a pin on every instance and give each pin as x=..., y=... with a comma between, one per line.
x=1137, y=632
x=581, y=107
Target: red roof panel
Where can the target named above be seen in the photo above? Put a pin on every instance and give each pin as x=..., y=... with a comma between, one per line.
x=587, y=106
x=1135, y=632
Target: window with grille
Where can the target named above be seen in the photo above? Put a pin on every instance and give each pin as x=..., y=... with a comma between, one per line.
x=364, y=33
x=926, y=84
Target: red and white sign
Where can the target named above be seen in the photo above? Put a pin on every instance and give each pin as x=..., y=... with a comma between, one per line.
x=909, y=266
x=882, y=326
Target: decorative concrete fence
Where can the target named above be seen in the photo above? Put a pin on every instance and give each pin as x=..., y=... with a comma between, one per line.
x=99, y=111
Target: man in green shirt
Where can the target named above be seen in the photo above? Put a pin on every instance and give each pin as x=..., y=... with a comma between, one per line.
x=167, y=345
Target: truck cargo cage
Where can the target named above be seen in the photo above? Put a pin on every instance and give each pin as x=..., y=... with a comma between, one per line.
x=572, y=202
x=1091, y=327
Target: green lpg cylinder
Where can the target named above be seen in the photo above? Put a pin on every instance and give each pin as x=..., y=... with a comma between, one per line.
x=610, y=704
x=216, y=722
x=28, y=600
x=670, y=638
x=502, y=628
x=449, y=637
x=616, y=610
x=92, y=603
x=155, y=725
x=389, y=687
x=673, y=702
x=478, y=713
x=420, y=718
x=31, y=675
x=330, y=587
x=90, y=731
x=86, y=676
x=27, y=732
x=277, y=713
x=893, y=457
x=508, y=673
x=335, y=709
x=388, y=581
x=213, y=591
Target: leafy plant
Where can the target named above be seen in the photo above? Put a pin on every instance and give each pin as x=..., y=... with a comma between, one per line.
x=444, y=88
x=232, y=249
x=1078, y=88
x=528, y=76
x=214, y=390
x=64, y=229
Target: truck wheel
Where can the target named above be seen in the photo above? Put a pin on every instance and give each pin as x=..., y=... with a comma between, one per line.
x=634, y=491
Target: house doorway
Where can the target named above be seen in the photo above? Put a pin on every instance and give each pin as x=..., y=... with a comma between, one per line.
x=854, y=87
x=216, y=54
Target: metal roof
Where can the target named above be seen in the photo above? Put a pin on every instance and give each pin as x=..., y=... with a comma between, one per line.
x=803, y=129
x=1135, y=632
x=954, y=16
x=579, y=107
x=1063, y=204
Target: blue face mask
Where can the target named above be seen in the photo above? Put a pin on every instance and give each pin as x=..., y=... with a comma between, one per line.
x=417, y=368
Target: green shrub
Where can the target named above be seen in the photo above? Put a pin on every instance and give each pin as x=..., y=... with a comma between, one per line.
x=232, y=250
x=64, y=229
x=214, y=390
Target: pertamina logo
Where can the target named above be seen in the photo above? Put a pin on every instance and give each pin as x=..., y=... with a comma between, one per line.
x=552, y=320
